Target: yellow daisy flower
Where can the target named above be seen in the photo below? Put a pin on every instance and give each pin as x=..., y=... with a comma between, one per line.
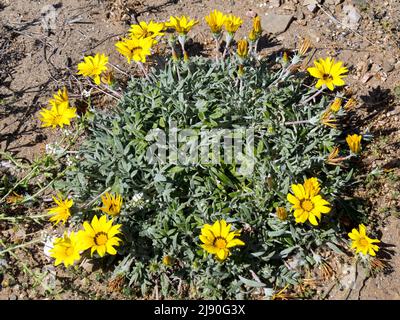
x=215, y=21
x=361, y=242
x=281, y=213
x=354, y=142
x=257, y=26
x=328, y=73
x=328, y=119
x=243, y=49
x=57, y=115
x=60, y=97
x=167, y=260
x=66, y=249
x=253, y=36
x=217, y=239
x=135, y=49
x=307, y=203
x=336, y=104
x=182, y=25
x=62, y=211
x=111, y=204
x=311, y=187
x=350, y=104
x=232, y=23
x=146, y=30
x=100, y=236
x=93, y=67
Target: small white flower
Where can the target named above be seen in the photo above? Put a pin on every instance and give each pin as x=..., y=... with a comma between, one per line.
x=48, y=245
x=68, y=161
x=86, y=93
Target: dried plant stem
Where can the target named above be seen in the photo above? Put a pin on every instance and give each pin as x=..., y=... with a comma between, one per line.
x=143, y=70
x=118, y=69
x=316, y=94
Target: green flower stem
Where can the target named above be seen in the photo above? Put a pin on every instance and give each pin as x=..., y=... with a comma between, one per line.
x=297, y=122
x=44, y=188
x=8, y=156
x=227, y=45
x=26, y=244
x=256, y=47
x=87, y=205
x=216, y=48
x=28, y=176
x=16, y=218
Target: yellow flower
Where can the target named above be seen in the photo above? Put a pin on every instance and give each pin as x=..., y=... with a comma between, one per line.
x=350, y=104
x=285, y=58
x=93, y=66
x=182, y=25
x=354, y=142
x=252, y=36
x=328, y=73
x=111, y=204
x=215, y=21
x=336, y=104
x=232, y=23
x=66, y=249
x=107, y=78
x=327, y=120
x=243, y=48
x=217, y=239
x=333, y=157
x=60, y=97
x=307, y=203
x=100, y=236
x=61, y=212
x=167, y=260
x=146, y=30
x=311, y=187
x=281, y=213
x=257, y=26
x=58, y=115
x=361, y=242
x=135, y=49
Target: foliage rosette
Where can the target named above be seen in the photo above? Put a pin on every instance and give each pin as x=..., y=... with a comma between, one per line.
x=166, y=203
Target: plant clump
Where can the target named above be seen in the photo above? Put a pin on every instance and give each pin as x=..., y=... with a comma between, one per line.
x=221, y=175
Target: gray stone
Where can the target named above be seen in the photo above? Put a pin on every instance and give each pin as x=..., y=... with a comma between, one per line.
x=361, y=4
x=389, y=64
x=276, y=23
x=333, y=2
x=274, y=3
x=311, y=5
x=351, y=17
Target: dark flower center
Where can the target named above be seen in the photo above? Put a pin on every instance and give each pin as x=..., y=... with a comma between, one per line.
x=100, y=238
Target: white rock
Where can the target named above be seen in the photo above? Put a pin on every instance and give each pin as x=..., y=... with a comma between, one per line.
x=352, y=17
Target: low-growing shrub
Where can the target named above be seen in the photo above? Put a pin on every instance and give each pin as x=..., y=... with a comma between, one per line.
x=150, y=150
